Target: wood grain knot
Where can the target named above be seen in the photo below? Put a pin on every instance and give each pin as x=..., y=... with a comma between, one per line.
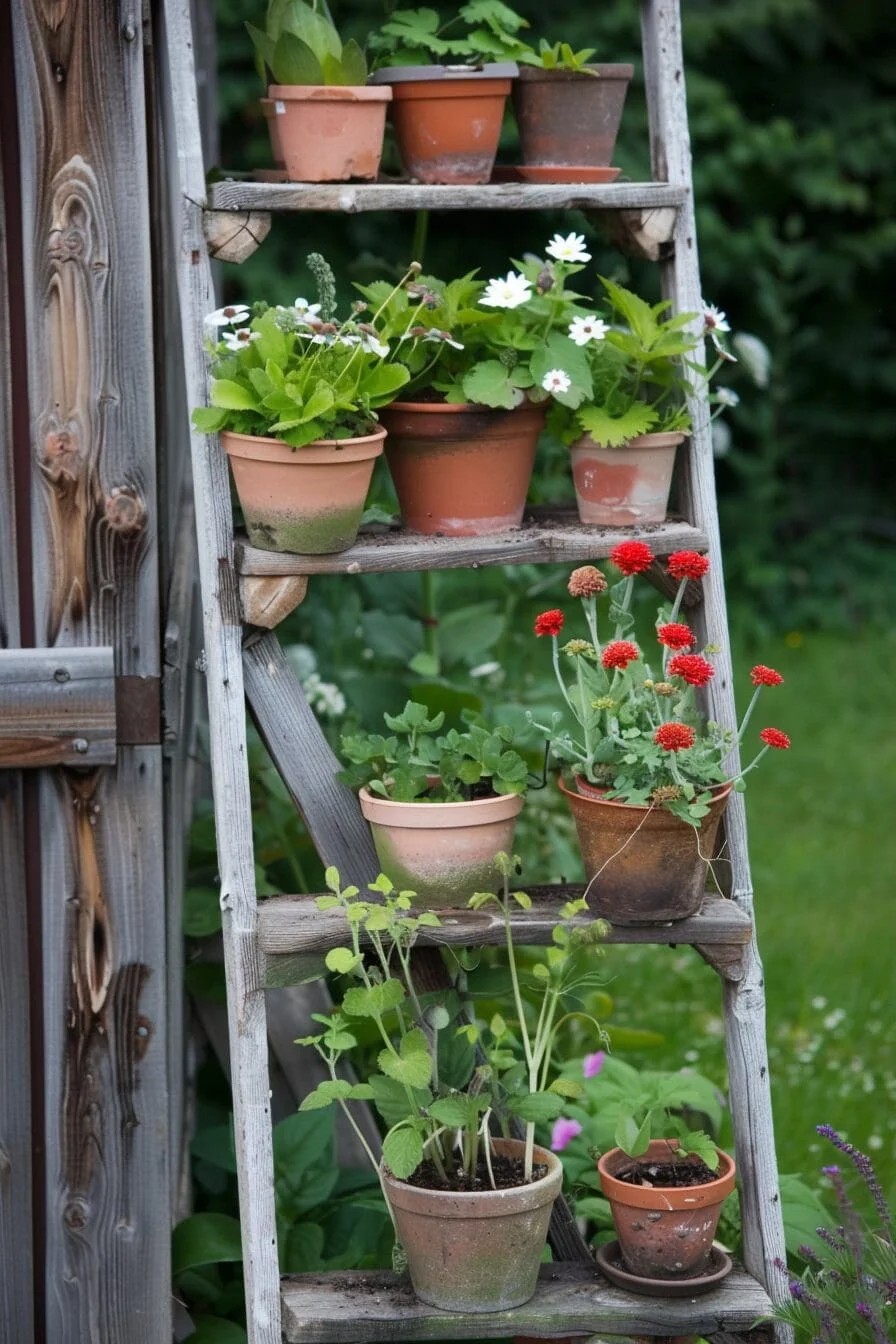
x=62, y=457
x=76, y=1214
x=66, y=244
x=125, y=510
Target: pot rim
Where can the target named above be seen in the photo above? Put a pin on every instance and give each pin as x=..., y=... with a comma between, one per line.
x=531, y=74
x=655, y=442
x=665, y=1197
x=463, y=408
x=433, y=74
x=719, y=792
x=418, y=816
x=328, y=93
x=480, y=1203
x=262, y=447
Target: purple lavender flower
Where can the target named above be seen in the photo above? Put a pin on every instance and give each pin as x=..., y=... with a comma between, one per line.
x=563, y=1132
x=592, y=1064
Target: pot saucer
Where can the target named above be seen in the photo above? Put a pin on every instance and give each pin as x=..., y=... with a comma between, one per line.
x=560, y=173
x=609, y=1262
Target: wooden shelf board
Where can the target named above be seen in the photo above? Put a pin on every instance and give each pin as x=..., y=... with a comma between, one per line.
x=293, y=924
x=352, y=197
x=348, y=1306
x=546, y=537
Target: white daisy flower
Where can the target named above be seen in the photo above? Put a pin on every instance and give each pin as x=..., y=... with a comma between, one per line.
x=236, y=340
x=585, y=329
x=570, y=248
x=373, y=345
x=755, y=355
x=555, y=380
x=714, y=319
x=306, y=309
x=507, y=293
x=225, y=317
x=726, y=396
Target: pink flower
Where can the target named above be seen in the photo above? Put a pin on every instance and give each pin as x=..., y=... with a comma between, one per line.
x=592, y=1064
x=563, y=1132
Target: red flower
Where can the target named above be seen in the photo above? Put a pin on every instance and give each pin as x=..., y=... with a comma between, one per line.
x=674, y=736
x=773, y=737
x=549, y=622
x=675, y=635
x=765, y=676
x=687, y=565
x=632, y=557
x=692, y=668
x=619, y=653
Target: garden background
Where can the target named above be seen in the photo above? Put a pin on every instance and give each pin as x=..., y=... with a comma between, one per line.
x=793, y=124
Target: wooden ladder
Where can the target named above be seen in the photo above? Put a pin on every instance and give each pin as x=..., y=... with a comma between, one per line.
x=246, y=591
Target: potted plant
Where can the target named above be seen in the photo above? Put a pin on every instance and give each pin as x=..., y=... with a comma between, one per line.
x=470, y=1209
x=463, y=436
x=650, y=774
x=326, y=123
x=441, y=805
x=448, y=96
x=644, y=364
x=294, y=394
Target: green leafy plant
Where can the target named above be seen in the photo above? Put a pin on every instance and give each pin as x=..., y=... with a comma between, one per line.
x=642, y=735
x=299, y=44
x=419, y=762
x=440, y=1105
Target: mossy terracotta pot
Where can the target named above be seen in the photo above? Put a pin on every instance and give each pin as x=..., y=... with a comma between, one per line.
x=308, y=500
x=461, y=471
x=643, y=865
x=627, y=485
x=327, y=132
x=443, y=851
x=447, y=119
x=664, y=1232
x=569, y=119
x=476, y=1251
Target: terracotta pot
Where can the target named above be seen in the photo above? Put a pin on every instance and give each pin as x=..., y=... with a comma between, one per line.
x=625, y=485
x=327, y=132
x=273, y=122
x=567, y=119
x=643, y=864
x=476, y=1251
x=448, y=119
x=461, y=471
x=443, y=851
x=663, y=1232
x=308, y=500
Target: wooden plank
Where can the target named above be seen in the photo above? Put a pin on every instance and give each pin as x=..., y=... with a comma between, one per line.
x=352, y=198
x=57, y=707
x=288, y=924
x=559, y=540
x=345, y=1307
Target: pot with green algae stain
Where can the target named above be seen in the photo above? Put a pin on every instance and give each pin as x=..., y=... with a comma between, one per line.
x=445, y=852
x=308, y=500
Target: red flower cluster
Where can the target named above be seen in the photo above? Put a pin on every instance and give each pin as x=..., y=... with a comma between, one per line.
x=586, y=581
x=773, y=737
x=687, y=565
x=632, y=557
x=765, y=676
x=674, y=736
x=549, y=622
x=619, y=653
x=675, y=635
x=692, y=668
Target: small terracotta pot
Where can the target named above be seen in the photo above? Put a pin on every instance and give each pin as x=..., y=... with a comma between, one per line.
x=448, y=119
x=308, y=500
x=327, y=132
x=461, y=471
x=568, y=119
x=663, y=1232
x=626, y=485
x=273, y=124
x=643, y=864
x=443, y=851
x=476, y=1251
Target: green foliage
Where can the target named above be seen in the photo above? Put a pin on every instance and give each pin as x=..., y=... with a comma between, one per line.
x=300, y=45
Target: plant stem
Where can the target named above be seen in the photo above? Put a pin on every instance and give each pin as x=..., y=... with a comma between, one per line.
x=418, y=241
x=429, y=615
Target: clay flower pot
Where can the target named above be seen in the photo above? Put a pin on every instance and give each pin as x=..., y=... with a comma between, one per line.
x=308, y=500
x=443, y=851
x=664, y=1232
x=625, y=485
x=447, y=119
x=567, y=119
x=461, y=471
x=476, y=1251
x=327, y=132
x=647, y=865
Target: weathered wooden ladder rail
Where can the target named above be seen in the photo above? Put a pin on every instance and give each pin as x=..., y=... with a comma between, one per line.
x=284, y=939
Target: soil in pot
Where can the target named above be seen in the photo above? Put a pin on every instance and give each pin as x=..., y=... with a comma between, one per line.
x=506, y=1172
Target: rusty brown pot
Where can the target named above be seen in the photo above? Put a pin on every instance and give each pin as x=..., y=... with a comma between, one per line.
x=461, y=471
x=476, y=1251
x=568, y=119
x=643, y=864
x=327, y=132
x=664, y=1232
x=626, y=485
x=447, y=119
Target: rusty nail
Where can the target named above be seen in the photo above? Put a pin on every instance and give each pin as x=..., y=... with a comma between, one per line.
x=62, y=674
x=80, y=745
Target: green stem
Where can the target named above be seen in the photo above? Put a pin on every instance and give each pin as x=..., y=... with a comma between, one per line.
x=429, y=614
x=418, y=241
x=746, y=719
x=676, y=606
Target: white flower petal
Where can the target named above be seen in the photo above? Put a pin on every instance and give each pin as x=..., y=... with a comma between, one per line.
x=228, y=316
x=510, y=292
x=714, y=319
x=556, y=380
x=571, y=248
x=585, y=329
